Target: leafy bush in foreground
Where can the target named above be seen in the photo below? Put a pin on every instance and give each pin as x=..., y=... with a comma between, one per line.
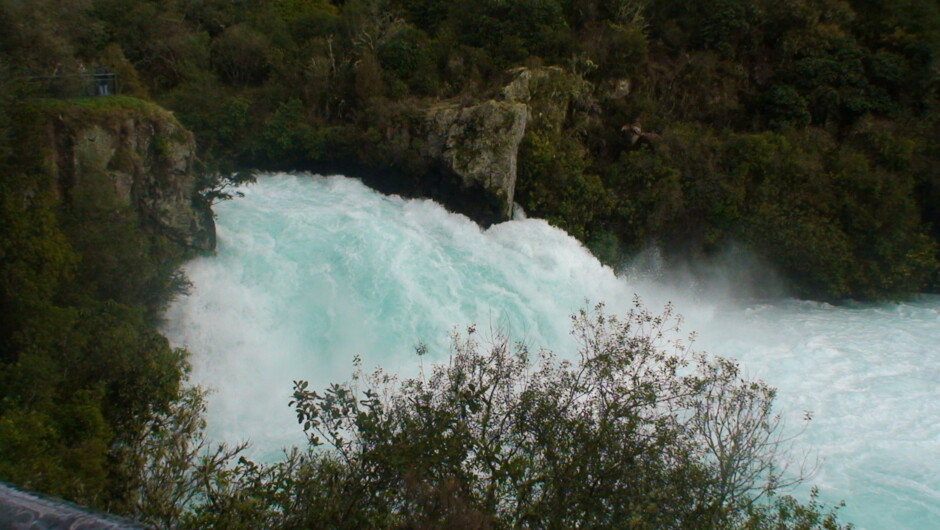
x=638, y=432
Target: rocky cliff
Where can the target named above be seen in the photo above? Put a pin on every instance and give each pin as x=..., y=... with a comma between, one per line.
x=465, y=153
x=126, y=156
x=548, y=94
x=479, y=144
x=462, y=154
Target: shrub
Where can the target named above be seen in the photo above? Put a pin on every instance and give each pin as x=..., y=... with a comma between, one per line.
x=638, y=431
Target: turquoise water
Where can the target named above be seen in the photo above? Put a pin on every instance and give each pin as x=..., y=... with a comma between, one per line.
x=312, y=271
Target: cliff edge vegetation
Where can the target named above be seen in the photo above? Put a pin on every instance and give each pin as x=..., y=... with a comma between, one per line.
x=803, y=130
x=99, y=207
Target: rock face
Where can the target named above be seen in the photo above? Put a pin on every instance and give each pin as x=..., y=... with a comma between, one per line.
x=458, y=153
x=548, y=93
x=131, y=159
x=465, y=153
x=479, y=144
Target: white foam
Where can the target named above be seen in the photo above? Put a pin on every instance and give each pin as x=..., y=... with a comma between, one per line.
x=311, y=271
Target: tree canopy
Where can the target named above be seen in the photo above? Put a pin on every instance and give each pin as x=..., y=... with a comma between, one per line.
x=845, y=90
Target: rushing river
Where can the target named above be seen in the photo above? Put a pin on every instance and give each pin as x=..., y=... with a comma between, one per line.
x=312, y=271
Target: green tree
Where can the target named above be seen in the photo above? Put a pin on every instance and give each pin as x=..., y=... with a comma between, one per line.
x=240, y=55
x=555, y=185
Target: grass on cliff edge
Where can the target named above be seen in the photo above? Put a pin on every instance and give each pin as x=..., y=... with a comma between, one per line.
x=110, y=107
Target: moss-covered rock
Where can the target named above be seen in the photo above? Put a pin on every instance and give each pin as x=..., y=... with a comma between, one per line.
x=480, y=144
x=121, y=153
x=474, y=145
x=461, y=154
x=548, y=94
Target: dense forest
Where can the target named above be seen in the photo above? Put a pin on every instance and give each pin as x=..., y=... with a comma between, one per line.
x=807, y=131
x=803, y=130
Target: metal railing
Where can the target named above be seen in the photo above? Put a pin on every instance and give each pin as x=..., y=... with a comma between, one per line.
x=65, y=86
x=22, y=509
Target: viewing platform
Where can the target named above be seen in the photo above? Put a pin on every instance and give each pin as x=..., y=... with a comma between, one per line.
x=100, y=83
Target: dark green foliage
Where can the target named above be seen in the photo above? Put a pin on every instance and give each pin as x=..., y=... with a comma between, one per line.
x=121, y=263
x=822, y=214
x=618, y=51
x=77, y=375
x=785, y=107
x=512, y=31
x=636, y=432
x=725, y=26
x=311, y=84
x=554, y=185
x=650, y=197
x=428, y=14
x=240, y=55
x=36, y=257
x=407, y=57
x=82, y=368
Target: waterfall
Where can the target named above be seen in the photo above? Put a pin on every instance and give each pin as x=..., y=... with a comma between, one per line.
x=312, y=271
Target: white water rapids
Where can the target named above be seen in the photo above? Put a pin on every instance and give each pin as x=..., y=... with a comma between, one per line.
x=311, y=271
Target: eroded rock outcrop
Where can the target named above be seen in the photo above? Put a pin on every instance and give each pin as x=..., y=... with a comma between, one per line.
x=479, y=144
x=548, y=93
x=458, y=153
x=129, y=156
x=465, y=153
